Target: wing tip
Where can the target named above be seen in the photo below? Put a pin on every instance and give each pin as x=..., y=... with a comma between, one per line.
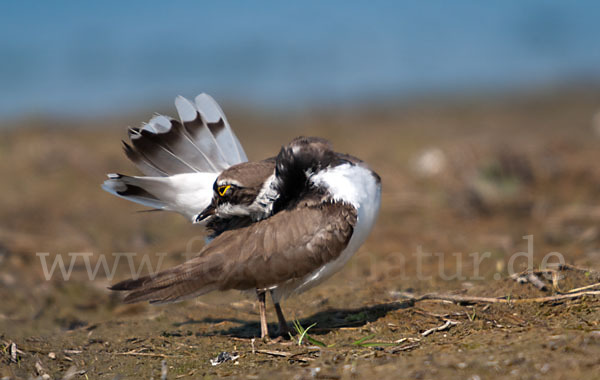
x=186, y=110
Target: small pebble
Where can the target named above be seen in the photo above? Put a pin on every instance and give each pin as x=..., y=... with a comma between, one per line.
x=13, y=352
x=545, y=368
x=224, y=357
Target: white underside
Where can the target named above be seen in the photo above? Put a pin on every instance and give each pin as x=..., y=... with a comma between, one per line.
x=357, y=186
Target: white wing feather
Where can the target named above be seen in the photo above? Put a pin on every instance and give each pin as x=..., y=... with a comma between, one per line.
x=226, y=139
x=187, y=194
x=182, y=159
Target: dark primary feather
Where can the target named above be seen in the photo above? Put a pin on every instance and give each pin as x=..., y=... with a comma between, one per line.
x=143, y=163
x=166, y=146
x=178, y=140
x=155, y=151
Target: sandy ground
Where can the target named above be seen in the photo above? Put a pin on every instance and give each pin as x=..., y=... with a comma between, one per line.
x=474, y=191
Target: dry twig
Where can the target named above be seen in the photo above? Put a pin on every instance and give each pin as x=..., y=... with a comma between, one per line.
x=274, y=353
x=475, y=299
x=449, y=323
x=406, y=347
x=136, y=353
x=163, y=370
x=289, y=355
x=577, y=290
x=574, y=268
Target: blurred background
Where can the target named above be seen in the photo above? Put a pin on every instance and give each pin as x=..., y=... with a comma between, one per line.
x=78, y=59
x=483, y=120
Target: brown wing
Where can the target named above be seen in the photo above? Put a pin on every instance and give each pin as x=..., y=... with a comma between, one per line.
x=288, y=245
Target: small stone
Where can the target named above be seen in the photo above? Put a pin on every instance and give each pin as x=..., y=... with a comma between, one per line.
x=224, y=357
x=52, y=355
x=13, y=352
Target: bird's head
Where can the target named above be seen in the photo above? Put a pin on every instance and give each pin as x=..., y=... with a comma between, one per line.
x=236, y=190
x=258, y=189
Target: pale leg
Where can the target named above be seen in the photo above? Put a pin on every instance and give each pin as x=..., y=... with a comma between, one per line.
x=264, y=331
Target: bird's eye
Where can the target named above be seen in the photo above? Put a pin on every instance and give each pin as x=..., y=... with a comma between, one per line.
x=222, y=190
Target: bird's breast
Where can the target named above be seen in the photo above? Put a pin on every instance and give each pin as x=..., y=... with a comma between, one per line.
x=353, y=184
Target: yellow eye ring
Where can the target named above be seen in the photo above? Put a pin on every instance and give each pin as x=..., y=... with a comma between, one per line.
x=222, y=190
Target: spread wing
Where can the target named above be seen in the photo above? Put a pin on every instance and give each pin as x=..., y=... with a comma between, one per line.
x=181, y=159
x=288, y=245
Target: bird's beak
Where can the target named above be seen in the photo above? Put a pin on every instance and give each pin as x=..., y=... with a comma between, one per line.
x=206, y=213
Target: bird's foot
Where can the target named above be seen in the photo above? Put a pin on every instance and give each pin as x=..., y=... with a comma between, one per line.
x=284, y=332
x=282, y=341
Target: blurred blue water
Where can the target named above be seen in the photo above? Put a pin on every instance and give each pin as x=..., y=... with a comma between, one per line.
x=76, y=57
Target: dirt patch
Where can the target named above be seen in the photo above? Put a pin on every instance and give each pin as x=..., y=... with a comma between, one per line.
x=510, y=182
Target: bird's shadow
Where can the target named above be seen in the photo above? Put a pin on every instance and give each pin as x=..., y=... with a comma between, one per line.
x=326, y=321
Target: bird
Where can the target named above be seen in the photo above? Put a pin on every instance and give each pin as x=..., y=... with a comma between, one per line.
x=281, y=225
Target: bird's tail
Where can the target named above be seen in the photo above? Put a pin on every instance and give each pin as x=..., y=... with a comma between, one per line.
x=188, y=280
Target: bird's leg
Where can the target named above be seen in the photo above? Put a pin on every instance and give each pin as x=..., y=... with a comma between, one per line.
x=264, y=330
x=283, y=326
